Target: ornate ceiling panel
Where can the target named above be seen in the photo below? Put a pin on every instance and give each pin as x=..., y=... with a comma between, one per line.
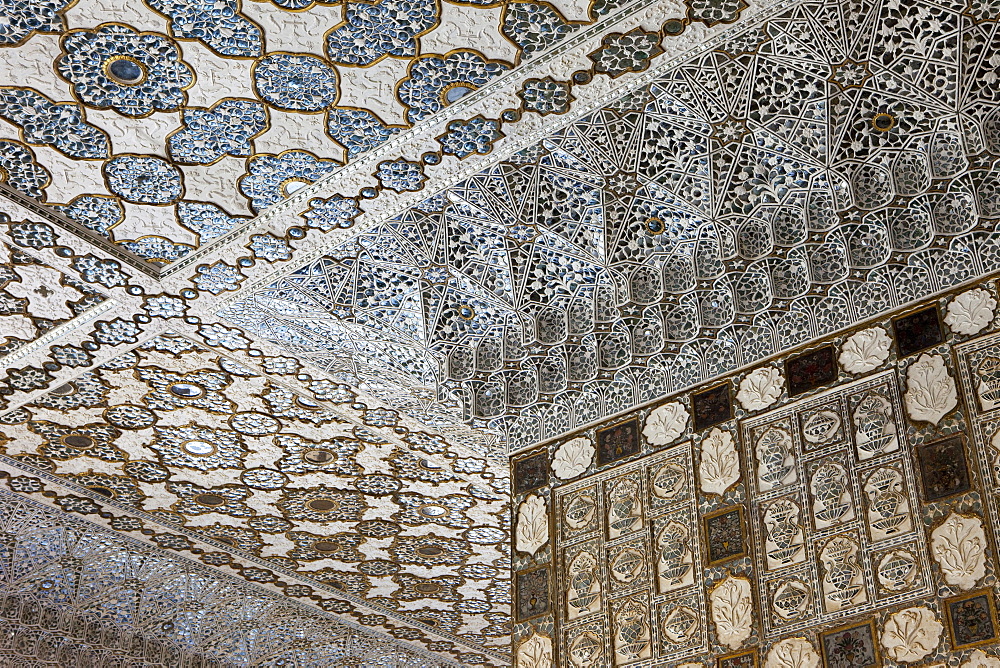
x=170, y=122
x=35, y=298
x=76, y=594
x=805, y=173
x=198, y=442
x=349, y=254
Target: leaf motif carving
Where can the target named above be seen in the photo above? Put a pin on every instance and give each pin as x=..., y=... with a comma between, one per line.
x=573, y=458
x=792, y=653
x=959, y=547
x=719, y=468
x=535, y=652
x=760, y=388
x=532, y=525
x=665, y=423
x=911, y=634
x=865, y=350
x=980, y=659
x=930, y=390
x=971, y=311
x=732, y=611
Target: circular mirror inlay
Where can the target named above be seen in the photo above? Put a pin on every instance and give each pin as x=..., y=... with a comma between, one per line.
x=64, y=390
x=429, y=465
x=210, y=499
x=432, y=510
x=429, y=551
x=293, y=185
x=326, y=546
x=186, y=390
x=427, y=587
x=467, y=312
x=317, y=456
x=655, y=226
x=322, y=505
x=455, y=92
x=200, y=448
x=126, y=71
x=883, y=122
x=307, y=403
x=78, y=441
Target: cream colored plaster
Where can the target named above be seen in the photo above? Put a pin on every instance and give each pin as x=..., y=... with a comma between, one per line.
x=297, y=32
x=136, y=135
x=144, y=219
x=91, y=13
x=217, y=184
x=374, y=88
x=216, y=77
x=70, y=178
x=470, y=27
x=290, y=130
x=31, y=65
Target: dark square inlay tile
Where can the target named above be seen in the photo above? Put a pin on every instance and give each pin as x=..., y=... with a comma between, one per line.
x=917, y=331
x=741, y=660
x=972, y=619
x=532, y=593
x=850, y=647
x=724, y=534
x=711, y=406
x=943, y=468
x=618, y=441
x=531, y=472
x=812, y=370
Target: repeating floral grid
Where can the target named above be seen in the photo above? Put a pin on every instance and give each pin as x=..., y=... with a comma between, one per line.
x=630, y=562
x=834, y=508
x=699, y=224
x=189, y=437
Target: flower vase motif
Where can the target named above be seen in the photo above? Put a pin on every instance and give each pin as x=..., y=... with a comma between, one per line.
x=988, y=383
x=632, y=632
x=624, y=509
x=831, y=500
x=875, y=429
x=784, y=544
x=842, y=585
x=579, y=511
x=668, y=481
x=585, y=650
x=674, y=565
x=775, y=463
x=791, y=600
x=583, y=596
x=888, y=510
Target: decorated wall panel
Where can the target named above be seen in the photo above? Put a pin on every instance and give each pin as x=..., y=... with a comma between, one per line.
x=207, y=451
x=833, y=506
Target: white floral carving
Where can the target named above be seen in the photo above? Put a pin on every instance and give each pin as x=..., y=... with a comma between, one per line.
x=719, y=468
x=971, y=311
x=792, y=653
x=930, y=390
x=732, y=611
x=532, y=525
x=573, y=458
x=865, y=350
x=535, y=652
x=911, y=634
x=666, y=423
x=959, y=547
x=980, y=659
x=760, y=388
